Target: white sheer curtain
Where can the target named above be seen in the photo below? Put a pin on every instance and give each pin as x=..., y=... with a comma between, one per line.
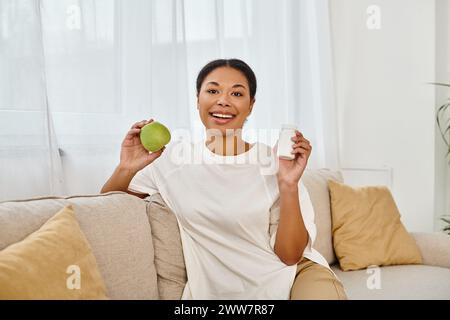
x=29, y=161
x=76, y=74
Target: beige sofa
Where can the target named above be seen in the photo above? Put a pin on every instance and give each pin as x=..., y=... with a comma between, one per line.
x=138, y=250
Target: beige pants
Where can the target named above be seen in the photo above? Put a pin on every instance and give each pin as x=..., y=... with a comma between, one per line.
x=316, y=282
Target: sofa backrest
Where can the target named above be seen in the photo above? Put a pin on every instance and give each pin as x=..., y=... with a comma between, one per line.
x=116, y=226
x=169, y=257
x=316, y=182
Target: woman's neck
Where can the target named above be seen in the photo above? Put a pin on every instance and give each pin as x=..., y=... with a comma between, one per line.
x=227, y=145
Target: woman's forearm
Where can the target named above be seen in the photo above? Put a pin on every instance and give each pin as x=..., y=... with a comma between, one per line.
x=292, y=236
x=119, y=181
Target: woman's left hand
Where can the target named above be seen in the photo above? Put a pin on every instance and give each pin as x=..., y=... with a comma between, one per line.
x=290, y=171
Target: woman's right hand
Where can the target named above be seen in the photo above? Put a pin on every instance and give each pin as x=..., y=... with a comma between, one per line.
x=133, y=155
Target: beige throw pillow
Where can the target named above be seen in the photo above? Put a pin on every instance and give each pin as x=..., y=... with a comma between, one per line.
x=367, y=229
x=54, y=262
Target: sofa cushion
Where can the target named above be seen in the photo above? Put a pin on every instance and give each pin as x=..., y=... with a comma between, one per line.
x=116, y=226
x=54, y=262
x=396, y=282
x=169, y=259
x=367, y=229
x=316, y=183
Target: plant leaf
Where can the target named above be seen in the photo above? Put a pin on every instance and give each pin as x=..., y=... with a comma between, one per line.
x=440, y=112
x=443, y=107
x=440, y=84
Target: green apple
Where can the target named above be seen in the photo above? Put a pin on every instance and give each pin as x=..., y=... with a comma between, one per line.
x=154, y=136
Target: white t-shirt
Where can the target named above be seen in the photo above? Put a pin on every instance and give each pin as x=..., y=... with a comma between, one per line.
x=223, y=205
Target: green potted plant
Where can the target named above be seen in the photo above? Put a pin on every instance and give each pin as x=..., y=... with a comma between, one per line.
x=444, y=134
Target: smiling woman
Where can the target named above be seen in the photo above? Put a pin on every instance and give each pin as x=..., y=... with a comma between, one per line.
x=243, y=229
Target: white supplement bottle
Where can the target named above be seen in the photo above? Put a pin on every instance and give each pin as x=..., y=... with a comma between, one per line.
x=285, y=143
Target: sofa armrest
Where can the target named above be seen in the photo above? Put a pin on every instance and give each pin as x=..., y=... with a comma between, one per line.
x=434, y=247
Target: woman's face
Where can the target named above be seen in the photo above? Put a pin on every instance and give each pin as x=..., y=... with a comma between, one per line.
x=224, y=100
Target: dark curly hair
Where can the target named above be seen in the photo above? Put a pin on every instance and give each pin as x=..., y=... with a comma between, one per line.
x=232, y=63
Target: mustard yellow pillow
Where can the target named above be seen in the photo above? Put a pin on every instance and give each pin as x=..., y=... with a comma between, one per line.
x=367, y=229
x=54, y=262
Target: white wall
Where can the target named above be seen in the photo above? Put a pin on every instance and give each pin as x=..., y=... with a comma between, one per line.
x=385, y=106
